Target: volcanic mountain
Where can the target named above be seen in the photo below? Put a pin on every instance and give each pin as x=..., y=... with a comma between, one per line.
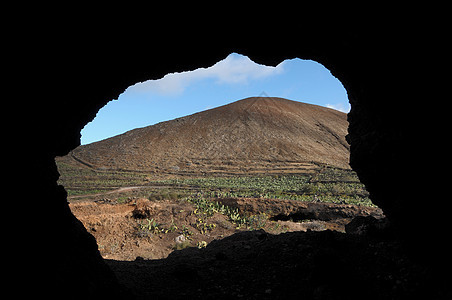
x=253, y=135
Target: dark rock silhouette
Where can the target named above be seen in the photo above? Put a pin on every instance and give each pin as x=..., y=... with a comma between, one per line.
x=84, y=70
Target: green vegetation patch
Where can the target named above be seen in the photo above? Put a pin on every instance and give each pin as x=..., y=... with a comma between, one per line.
x=338, y=186
x=328, y=184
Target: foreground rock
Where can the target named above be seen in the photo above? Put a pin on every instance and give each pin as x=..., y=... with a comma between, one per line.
x=297, y=265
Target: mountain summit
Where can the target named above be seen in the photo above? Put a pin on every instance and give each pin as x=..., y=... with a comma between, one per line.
x=257, y=134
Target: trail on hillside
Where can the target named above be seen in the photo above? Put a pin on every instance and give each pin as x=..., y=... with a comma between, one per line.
x=119, y=190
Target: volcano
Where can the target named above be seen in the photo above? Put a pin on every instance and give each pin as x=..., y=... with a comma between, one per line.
x=253, y=135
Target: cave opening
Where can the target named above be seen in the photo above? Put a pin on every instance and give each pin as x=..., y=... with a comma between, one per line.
x=141, y=207
x=86, y=68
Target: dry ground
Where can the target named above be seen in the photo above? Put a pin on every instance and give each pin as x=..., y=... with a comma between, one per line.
x=149, y=229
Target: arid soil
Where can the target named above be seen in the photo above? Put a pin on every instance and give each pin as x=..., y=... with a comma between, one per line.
x=299, y=250
x=334, y=258
x=122, y=230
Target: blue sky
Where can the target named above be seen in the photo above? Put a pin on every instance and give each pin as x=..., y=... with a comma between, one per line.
x=234, y=78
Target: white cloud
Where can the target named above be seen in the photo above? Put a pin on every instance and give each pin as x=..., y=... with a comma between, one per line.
x=234, y=69
x=240, y=69
x=343, y=107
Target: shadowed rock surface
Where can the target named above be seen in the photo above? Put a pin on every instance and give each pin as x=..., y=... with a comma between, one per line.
x=296, y=265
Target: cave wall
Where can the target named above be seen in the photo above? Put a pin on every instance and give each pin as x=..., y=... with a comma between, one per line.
x=86, y=72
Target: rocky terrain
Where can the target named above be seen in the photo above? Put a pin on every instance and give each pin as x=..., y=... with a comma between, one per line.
x=293, y=265
x=296, y=250
x=154, y=229
x=157, y=249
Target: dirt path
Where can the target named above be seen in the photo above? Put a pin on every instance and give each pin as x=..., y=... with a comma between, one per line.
x=119, y=190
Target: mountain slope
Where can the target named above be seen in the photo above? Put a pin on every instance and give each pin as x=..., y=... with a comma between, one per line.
x=253, y=134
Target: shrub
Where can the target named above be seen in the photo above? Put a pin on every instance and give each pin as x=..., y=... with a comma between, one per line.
x=181, y=246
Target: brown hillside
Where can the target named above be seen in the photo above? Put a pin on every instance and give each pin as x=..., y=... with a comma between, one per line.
x=249, y=135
